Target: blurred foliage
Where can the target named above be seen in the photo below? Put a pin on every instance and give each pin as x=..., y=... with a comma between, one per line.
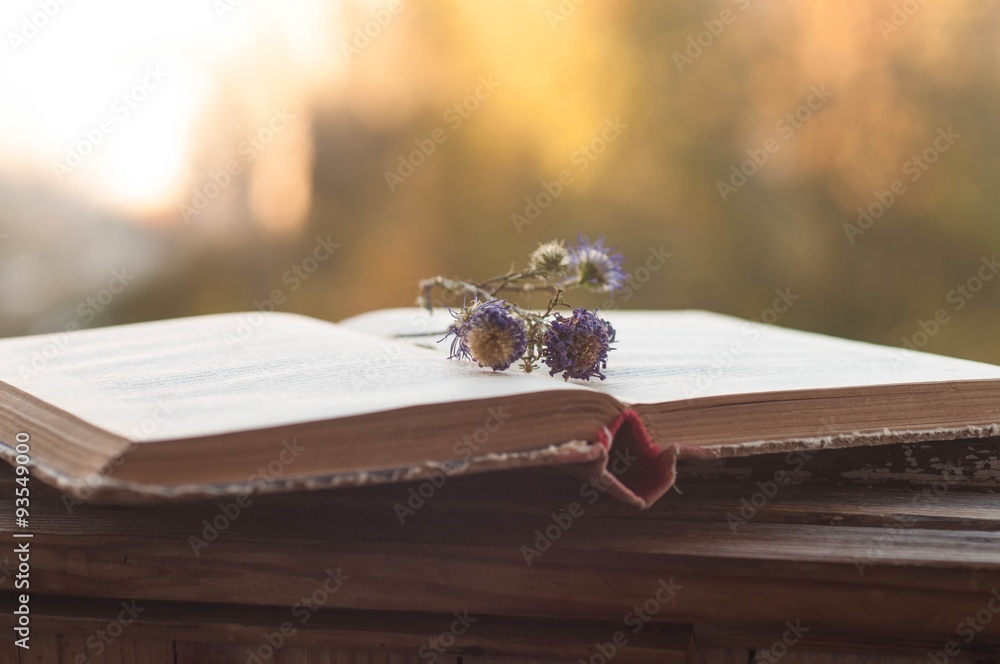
x=561, y=72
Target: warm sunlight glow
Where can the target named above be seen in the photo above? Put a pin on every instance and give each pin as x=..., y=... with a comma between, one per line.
x=109, y=97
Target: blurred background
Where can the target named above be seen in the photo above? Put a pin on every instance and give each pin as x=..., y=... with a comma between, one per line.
x=187, y=157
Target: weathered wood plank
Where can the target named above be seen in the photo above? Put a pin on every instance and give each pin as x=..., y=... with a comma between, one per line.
x=797, y=657
x=9, y=653
x=52, y=647
x=781, y=642
x=851, y=561
x=217, y=653
x=45, y=649
x=723, y=656
x=201, y=653
x=971, y=463
x=406, y=637
x=366, y=515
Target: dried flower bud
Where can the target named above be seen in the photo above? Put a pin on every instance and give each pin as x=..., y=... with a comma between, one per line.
x=551, y=257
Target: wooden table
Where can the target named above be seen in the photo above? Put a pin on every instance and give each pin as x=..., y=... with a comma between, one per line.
x=851, y=555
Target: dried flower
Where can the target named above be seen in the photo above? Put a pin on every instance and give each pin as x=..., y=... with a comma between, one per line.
x=578, y=346
x=550, y=257
x=496, y=332
x=596, y=266
x=488, y=333
x=457, y=331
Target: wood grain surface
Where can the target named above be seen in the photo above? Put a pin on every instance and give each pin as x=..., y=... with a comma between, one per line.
x=864, y=563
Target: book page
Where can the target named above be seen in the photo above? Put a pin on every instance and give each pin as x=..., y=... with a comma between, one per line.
x=233, y=372
x=669, y=356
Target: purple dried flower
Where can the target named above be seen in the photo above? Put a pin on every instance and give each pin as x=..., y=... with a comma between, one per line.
x=597, y=267
x=578, y=346
x=489, y=334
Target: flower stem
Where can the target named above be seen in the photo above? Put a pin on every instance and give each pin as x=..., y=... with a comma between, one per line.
x=456, y=286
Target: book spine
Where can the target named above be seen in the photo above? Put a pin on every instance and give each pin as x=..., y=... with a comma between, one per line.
x=633, y=468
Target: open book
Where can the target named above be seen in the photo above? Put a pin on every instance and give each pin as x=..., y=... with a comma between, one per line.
x=232, y=403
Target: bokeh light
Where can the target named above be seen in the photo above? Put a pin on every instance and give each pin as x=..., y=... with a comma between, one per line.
x=204, y=146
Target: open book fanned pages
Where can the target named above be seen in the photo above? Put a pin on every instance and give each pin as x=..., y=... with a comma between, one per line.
x=231, y=403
